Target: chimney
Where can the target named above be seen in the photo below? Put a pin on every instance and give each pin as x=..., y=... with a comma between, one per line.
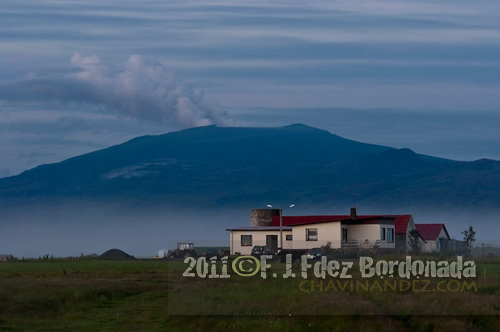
x=353, y=213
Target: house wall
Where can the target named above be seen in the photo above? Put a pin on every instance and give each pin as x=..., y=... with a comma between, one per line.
x=423, y=244
x=363, y=232
x=434, y=245
x=327, y=232
x=402, y=240
x=258, y=239
x=401, y=243
x=430, y=246
x=411, y=226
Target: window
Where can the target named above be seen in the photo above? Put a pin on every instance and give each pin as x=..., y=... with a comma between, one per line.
x=289, y=237
x=344, y=234
x=311, y=234
x=390, y=235
x=382, y=234
x=246, y=240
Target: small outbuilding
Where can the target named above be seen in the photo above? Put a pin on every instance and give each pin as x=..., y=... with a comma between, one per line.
x=433, y=234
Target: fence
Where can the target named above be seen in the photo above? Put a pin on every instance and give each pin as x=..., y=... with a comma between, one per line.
x=453, y=247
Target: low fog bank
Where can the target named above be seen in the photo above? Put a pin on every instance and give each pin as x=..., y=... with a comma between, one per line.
x=87, y=228
x=72, y=229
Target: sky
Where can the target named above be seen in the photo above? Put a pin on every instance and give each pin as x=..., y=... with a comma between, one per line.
x=77, y=76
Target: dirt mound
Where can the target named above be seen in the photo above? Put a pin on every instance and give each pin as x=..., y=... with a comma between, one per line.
x=116, y=254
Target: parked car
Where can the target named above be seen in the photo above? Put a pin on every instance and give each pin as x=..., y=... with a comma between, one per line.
x=315, y=253
x=258, y=251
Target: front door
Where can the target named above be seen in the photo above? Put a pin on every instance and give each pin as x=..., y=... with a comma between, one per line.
x=272, y=242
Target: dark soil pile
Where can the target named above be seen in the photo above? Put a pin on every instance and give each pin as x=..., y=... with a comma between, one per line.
x=116, y=254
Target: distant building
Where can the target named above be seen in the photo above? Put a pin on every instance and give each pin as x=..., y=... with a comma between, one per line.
x=389, y=232
x=305, y=232
x=433, y=234
x=5, y=258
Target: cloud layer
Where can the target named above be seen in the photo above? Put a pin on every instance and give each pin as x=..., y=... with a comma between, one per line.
x=358, y=54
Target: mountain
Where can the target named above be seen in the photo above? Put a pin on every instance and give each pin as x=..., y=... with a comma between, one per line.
x=229, y=166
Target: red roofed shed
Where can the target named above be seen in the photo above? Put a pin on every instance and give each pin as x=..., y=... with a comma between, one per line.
x=431, y=233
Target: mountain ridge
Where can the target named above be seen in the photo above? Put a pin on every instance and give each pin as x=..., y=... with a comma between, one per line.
x=238, y=166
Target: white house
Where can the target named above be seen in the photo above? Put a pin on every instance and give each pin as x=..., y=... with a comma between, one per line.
x=305, y=232
x=243, y=239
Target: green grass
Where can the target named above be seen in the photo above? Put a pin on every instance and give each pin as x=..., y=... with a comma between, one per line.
x=80, y=294
x=152, y=295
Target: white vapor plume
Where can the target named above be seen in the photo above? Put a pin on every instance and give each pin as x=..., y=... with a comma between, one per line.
x=144, y=89
x=141, y=88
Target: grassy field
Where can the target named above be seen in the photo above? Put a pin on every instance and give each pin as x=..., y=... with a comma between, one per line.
x=149, y=295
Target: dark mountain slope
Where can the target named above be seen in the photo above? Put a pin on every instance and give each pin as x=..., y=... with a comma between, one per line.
x=213, y=166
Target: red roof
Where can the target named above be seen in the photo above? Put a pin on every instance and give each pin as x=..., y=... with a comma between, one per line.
x=401, y=223
x=301, y=220
x=430, y=231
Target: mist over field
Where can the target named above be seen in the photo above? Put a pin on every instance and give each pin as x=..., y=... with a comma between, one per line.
x=75, y=228
x=70, y=229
